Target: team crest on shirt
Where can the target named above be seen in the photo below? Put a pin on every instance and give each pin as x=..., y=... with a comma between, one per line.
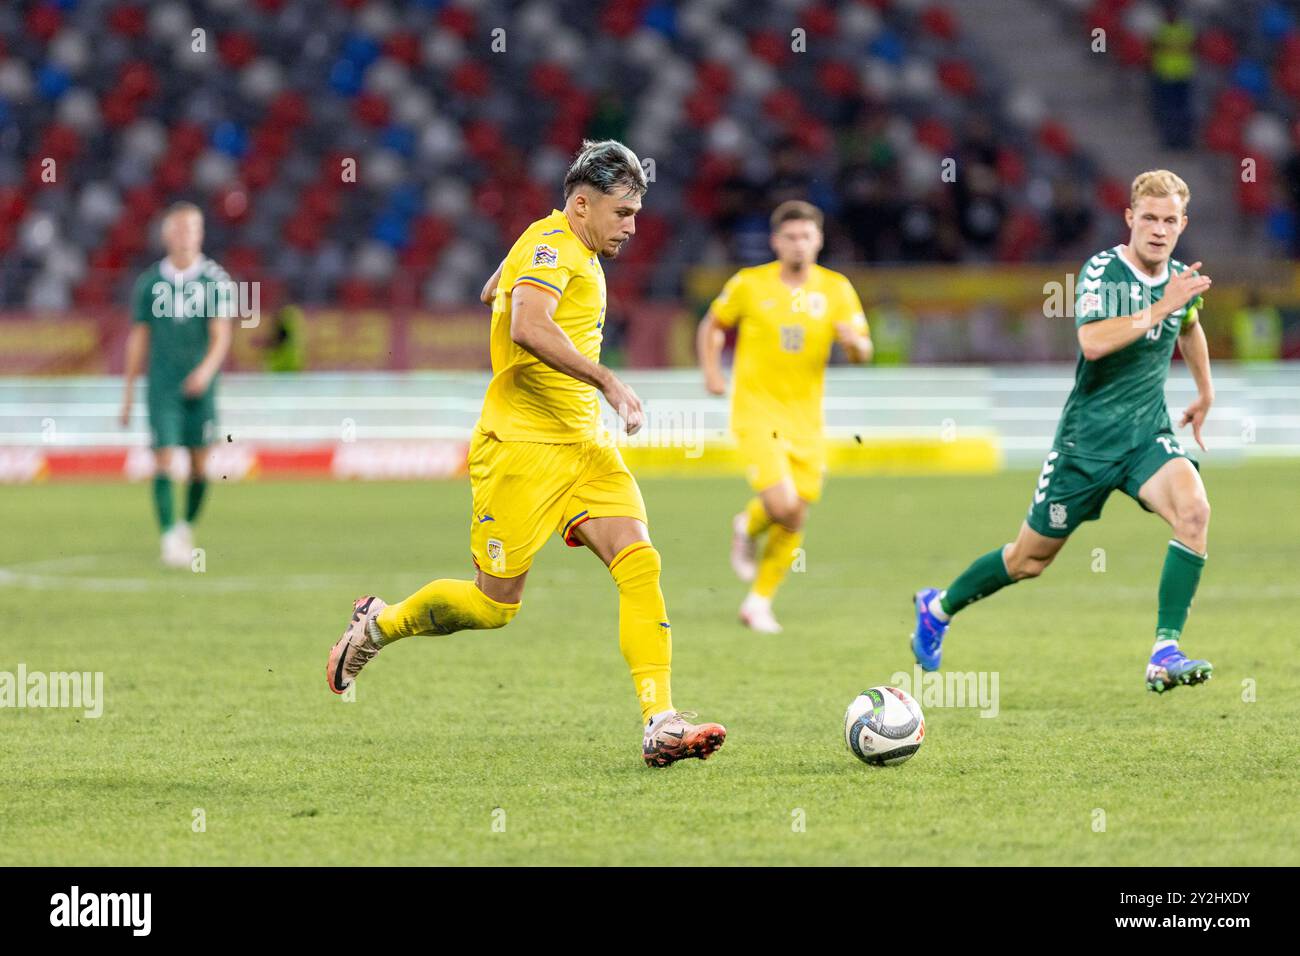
x=495, y=552
x=544, y=255
x=1056, y=514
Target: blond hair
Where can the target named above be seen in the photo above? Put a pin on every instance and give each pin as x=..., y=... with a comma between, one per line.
x=1157, y=183
x=795, y=210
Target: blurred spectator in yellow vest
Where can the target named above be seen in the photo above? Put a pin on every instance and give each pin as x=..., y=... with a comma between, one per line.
x=1173, y=62
x=891, y=330
x=284, y=346
x=1257, y=331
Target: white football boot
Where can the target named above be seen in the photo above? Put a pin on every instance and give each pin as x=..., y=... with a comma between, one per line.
x=756, y=614
x=744, y=549
x=175, y=553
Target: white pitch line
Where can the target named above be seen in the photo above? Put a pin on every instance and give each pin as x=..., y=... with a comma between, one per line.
x=27, y=575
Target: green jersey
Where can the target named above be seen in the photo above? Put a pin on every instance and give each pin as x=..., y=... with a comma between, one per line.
x=1118, y=401
x=177, y=306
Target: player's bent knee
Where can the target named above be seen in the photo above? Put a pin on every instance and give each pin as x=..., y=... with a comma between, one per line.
x=1192, y=522
x=637, y=565
x=790, y=516
x=502, y=615
x=1025, y=569
x=492, y=614
x=791, y=522
x=1022, y=566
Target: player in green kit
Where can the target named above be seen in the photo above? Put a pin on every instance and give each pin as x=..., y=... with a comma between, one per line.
x=181, y=310
x=1133, y=302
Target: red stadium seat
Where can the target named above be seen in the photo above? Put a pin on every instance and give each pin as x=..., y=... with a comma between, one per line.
x=13, y=204
x=939, y=22
x=1217, y=46
x=934, y=134
x=957, y=76
x=551, y=80
x=59, y=142
x=371, y=109
x=128, y=20
x=820, y=21
x=620, y=18
x=186, y=140
x=1010, y=167
x=1056, y=137
x=703, y=107
x=288, y=110
x=457, y=20
x=770, y=46
x=471, y=79
x=714, y=76
x=258, y=169
x=1112, y=195
x=1131, y=49
x=237, y=49
x=1223, y=134
x=404, y=48
x=838, y=79
x=43, y=21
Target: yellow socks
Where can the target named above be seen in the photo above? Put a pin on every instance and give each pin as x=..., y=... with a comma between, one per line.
x=778, y=555
x=644, y=635
x=442, y=607
x=759, y=521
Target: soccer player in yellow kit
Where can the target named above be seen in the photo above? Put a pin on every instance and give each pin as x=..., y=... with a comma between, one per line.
x=789, y=313
x=539, y=463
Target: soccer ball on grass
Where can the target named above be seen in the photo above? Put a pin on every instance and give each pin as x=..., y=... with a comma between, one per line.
x=884, y=726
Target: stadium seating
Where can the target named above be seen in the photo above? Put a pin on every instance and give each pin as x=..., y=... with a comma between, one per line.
x=458, y=119
x=1247, y=76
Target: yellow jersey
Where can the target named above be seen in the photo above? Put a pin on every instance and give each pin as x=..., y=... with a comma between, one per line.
x=527, y=400
x=782, y=346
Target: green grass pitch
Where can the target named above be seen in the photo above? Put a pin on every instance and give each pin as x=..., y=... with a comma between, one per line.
x=520, y=746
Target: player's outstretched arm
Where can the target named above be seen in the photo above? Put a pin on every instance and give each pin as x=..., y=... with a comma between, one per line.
x=219, y=334
x=1104, y=336
x=137, y=347
x=533, y=329
x=1196, y=353
x=857, y=345
x=709, y=341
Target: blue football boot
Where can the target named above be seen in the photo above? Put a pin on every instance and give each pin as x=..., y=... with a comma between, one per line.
x=1170, y=667
x=927, y=639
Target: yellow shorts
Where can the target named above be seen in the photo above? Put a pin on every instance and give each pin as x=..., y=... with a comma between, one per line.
x=525, y=490
x=769, y=460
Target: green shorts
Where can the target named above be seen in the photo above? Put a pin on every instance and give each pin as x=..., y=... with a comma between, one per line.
x=1072, y=490
x=179, y=422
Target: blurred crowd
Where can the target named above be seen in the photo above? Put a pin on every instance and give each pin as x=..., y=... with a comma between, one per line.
x=371, y=152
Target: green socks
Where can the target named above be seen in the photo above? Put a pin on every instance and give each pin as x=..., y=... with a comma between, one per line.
x=986, y=574
x=1178, y=581
x=162, y=501
x=194, y=499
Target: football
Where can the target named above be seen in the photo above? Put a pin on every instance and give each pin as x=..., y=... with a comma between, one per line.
x=884, y=726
